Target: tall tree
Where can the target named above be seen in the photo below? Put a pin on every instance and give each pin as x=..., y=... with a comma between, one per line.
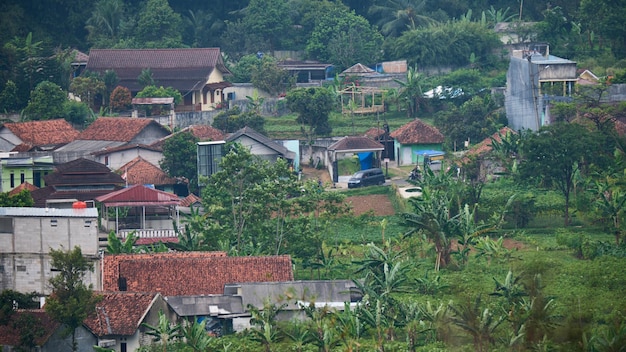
x=180, y=158
x=398, y=16
x=343, y=38
x=272, y=26
x=71, y=300
x=159, y=26
x=313, y=106
x=105, y=25
x=47, y=102
x=555, y=154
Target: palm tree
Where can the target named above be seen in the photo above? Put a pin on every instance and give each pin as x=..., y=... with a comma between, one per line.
x=400, y=15
x=264, y=328
x=410, y=92
x=106, y=19
x=478, y=322
x=164, y=331
x=196, y=336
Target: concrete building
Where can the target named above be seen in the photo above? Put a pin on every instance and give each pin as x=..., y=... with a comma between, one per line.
x=28, y=234
x=534, y=80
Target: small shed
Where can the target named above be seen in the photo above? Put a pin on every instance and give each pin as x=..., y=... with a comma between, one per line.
x=359, y=145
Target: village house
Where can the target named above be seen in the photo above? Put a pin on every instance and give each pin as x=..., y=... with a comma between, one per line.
x=415, y=140
x=197, y=73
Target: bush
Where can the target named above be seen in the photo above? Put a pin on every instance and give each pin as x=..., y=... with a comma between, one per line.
x=120, y=99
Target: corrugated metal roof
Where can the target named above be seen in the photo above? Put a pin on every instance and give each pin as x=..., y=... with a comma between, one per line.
x=49, y=212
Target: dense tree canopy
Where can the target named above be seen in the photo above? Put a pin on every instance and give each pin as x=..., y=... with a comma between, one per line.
x=180, y=158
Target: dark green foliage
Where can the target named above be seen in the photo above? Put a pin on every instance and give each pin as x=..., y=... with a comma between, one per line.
x=313, y=105
x=448, y=44
x=233, y=120
x=77, y=113
x=11, y=300
x=22, y=199
x=9, y=98
x=343, y=38
x=159, y=26
x=46, y=102
x=30, y=329
x=556, y=154
x=270, y=78
x=180, y=158
x=71, y=300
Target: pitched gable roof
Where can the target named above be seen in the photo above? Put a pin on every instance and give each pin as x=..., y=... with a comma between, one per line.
x=375, y=133
x=21, y=187
x=117, y=129
x=109, y=150
x=82, y=171
x=177, y=68
x=251, y=133
x=43, y=133
x=417, y=132
x=359, y=69
x=184, y=274
x=138, y=195
x=204, y=133
x=356, y=144
x=485, y=145
x=139, y=171
x=119, y=313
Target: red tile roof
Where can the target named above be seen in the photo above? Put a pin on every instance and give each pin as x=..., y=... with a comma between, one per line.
x=374, y=133
x=138, y=195
x=356, y=144
x=190, y=200
x=485, y=145
x=417, y=132
x=191, y=273
x=22, y=187
x=123, y=147
x=139, y=171
x=43, y=133
x=119, y=313
x=119, y=129
x=9, y=336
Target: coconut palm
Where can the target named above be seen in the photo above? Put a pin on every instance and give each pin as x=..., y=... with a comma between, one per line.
x=400, y=15
x=164, y=331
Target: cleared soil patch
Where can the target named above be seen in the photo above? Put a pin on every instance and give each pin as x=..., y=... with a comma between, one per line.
x=379, y=204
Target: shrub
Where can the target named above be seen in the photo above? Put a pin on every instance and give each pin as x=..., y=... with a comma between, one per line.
x=120, y=99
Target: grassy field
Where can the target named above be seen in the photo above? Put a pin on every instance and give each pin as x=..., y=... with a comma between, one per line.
x=286, y=127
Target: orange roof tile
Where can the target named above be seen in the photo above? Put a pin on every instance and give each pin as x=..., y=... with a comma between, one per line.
x=183, y=273
x=190, y=200
x=22, y=187
x=485, y=145
x=119, y=313
x=117, y=129
x=141, y=172
x=204, y=133
x=417, y=132
x=41, y=133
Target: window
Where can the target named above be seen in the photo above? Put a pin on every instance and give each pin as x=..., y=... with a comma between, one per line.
x=21, y=268
x=87, y=223
x=123, y=347
x=22, y=177
x=53, y=222
x=6, y=225
x=106, y=160
x=12, y=180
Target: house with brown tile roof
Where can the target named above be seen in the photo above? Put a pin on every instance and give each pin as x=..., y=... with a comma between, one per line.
x=80, y=179
x=112, y=132
x=190, y=273
x=414, y=137
x=142, y=172
x=197, y=73
x=117, y=319
x=43, y=135
x=488, y=167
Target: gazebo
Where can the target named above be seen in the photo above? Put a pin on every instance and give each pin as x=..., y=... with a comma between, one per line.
x=360, y=100
x=147, y=211
x=362, y=146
